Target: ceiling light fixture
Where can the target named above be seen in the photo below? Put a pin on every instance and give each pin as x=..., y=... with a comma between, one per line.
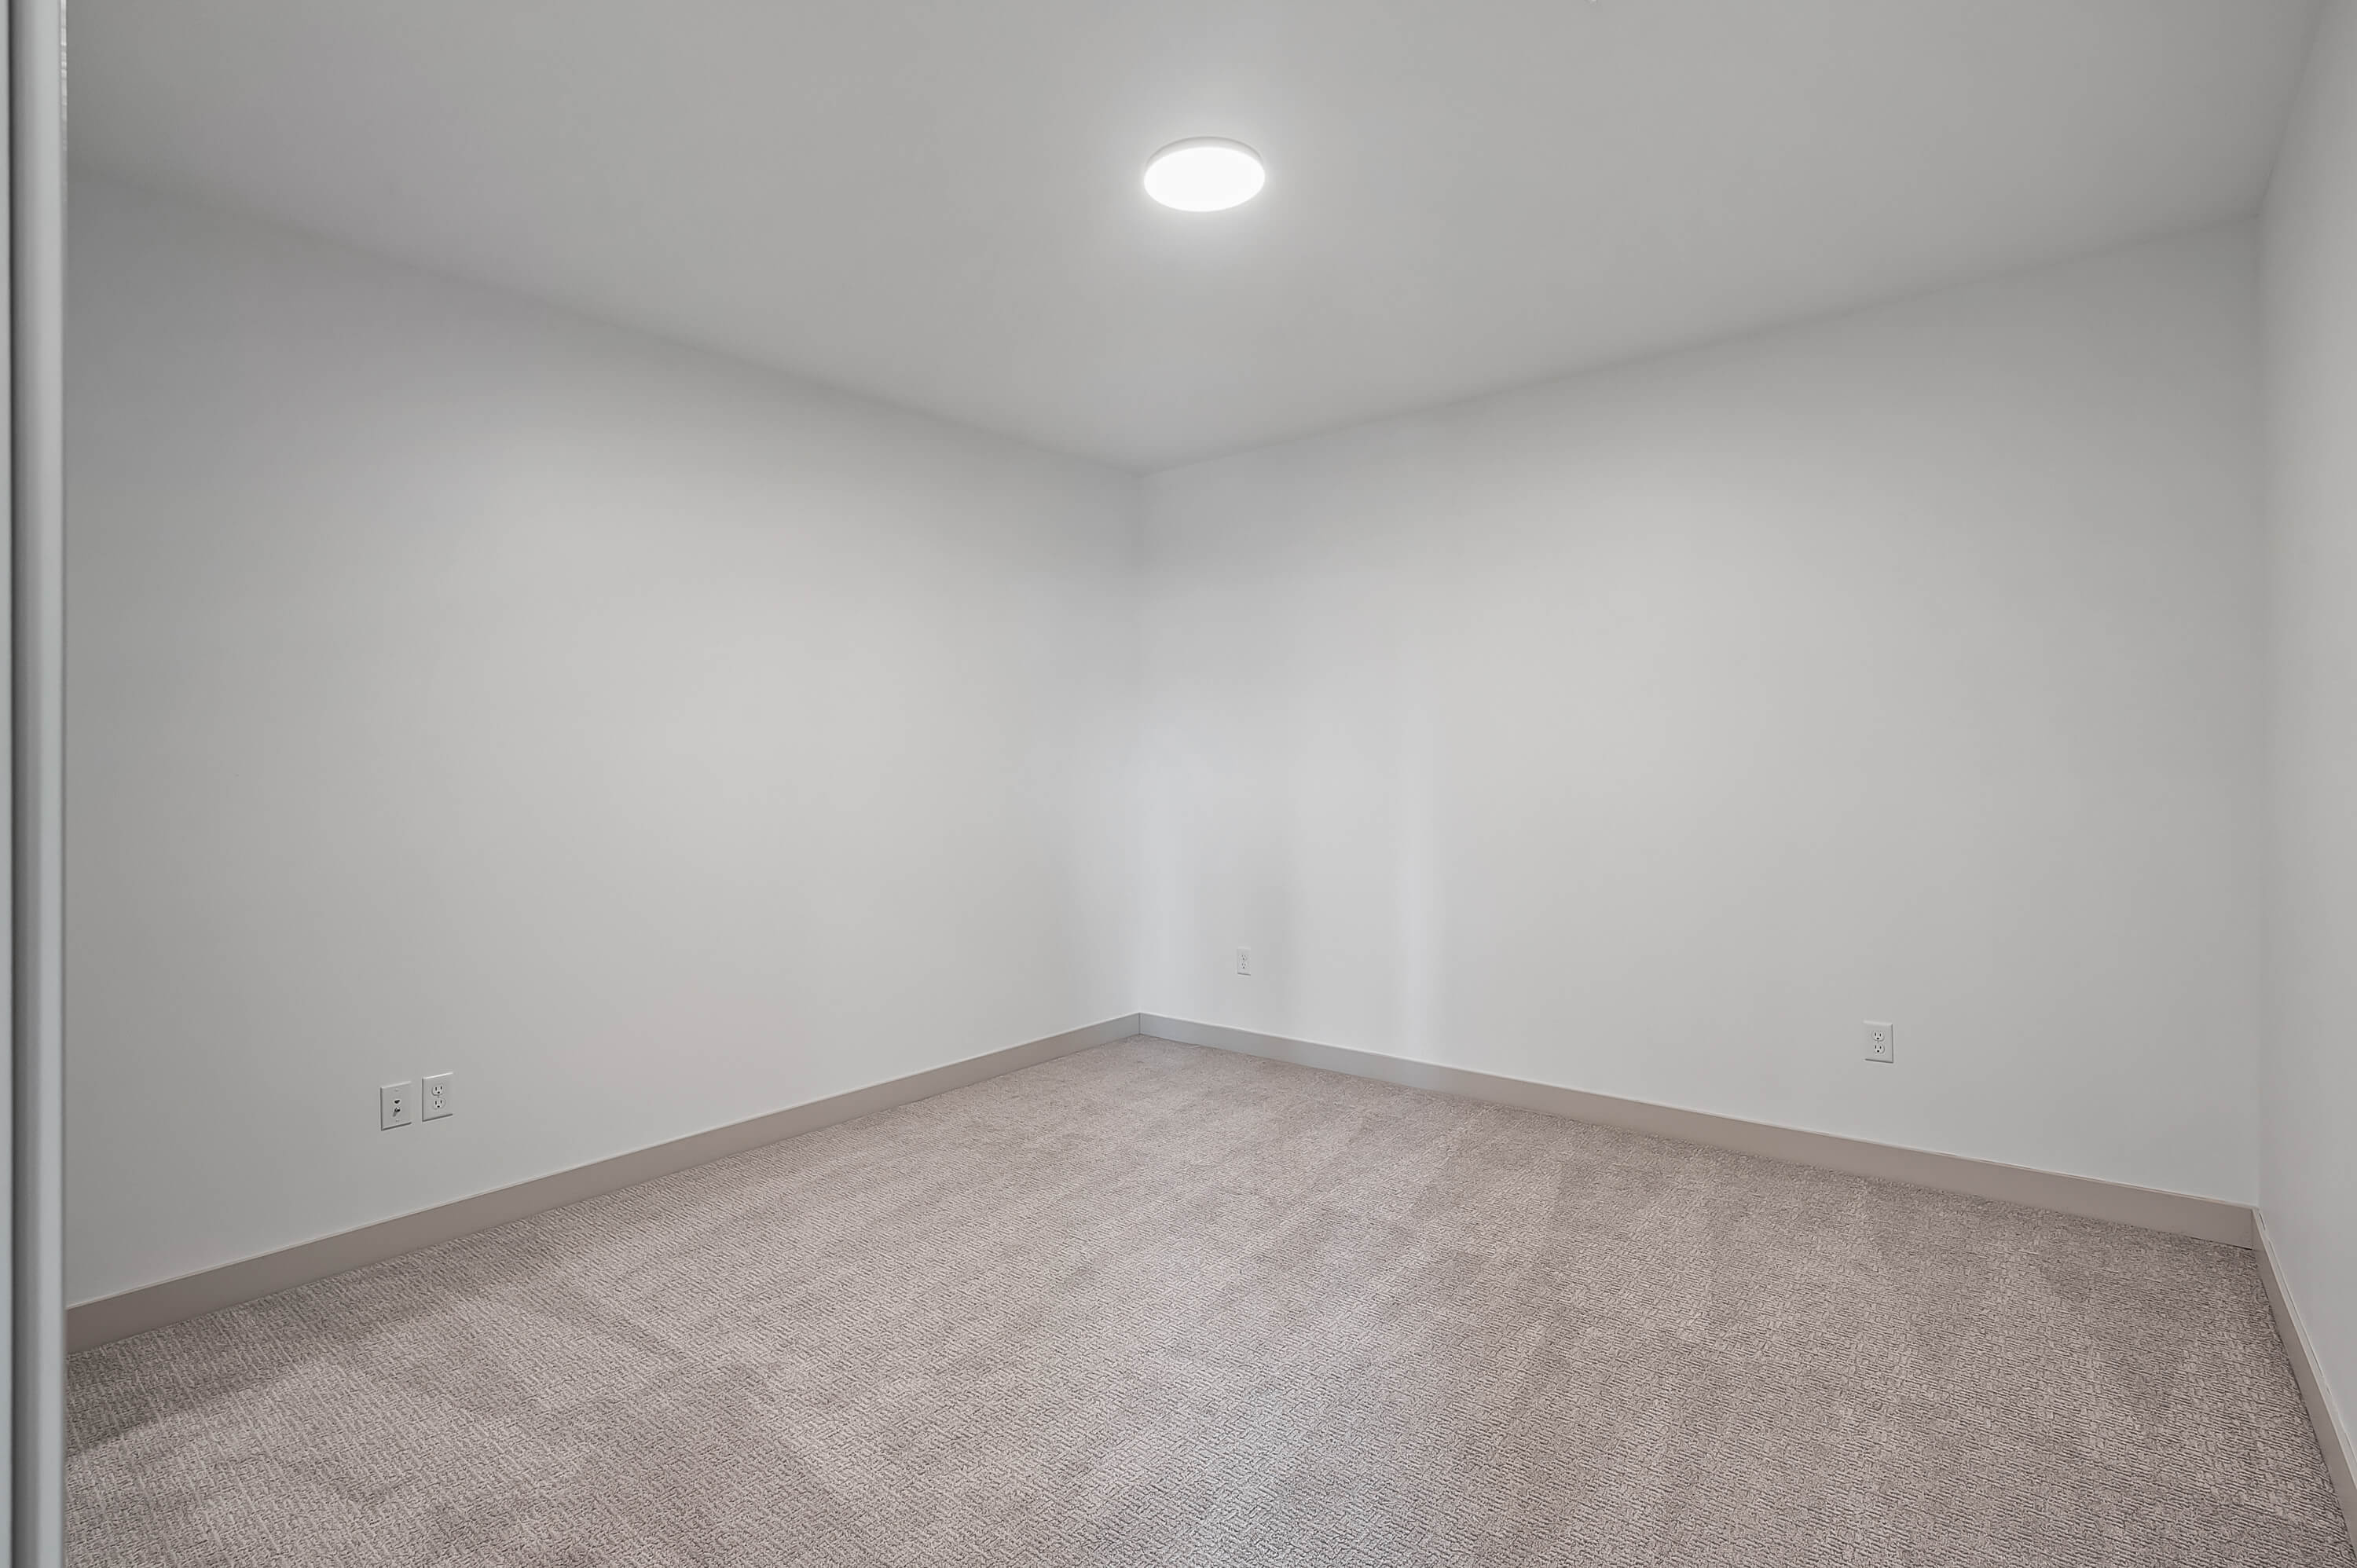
x=1205, y=174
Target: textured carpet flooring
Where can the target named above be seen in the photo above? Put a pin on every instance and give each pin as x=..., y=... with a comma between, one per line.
x=1157, y=1304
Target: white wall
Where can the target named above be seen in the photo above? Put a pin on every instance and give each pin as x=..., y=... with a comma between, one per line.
x=1647, y=732
x=2309, y=1179
x=460, y=685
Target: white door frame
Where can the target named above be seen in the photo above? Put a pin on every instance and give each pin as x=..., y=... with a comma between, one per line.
x=35, y=1126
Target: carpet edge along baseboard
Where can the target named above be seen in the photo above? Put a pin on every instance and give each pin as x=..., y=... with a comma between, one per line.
x=135, y=1311
x=2090, y=1197
x=2332, y=1436
x=138, y=1310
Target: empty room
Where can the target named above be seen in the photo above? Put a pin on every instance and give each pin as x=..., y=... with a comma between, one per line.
x=1292, y=783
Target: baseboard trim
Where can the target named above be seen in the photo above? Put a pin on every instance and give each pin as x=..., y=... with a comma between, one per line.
x=172, y=1301
x=2182, y=1214
x=2324, y=1411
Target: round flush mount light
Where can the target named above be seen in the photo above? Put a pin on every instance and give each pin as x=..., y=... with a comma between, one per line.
x=1205, y=174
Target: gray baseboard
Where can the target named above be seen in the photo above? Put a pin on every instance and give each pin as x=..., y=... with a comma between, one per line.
x=248, y=1279
x=2332, y=1435
x=2207, y=1218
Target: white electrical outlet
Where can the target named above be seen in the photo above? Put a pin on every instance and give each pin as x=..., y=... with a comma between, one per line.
x=1881, y=1042
x=436, y=1097
x=397, y=1105
x=1244, y=960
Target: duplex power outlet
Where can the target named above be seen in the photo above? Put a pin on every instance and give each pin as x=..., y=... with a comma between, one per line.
x=397, y=1105
x=1881, y=1042
x=1244, y=960
x=437, y=1099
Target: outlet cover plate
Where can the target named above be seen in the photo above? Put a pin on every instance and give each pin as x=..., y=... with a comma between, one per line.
x=397, y=1105
x=1881, y=1042
x=436, y=1097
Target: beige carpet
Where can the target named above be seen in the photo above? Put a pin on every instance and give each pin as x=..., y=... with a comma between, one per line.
x=1158, y=1304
